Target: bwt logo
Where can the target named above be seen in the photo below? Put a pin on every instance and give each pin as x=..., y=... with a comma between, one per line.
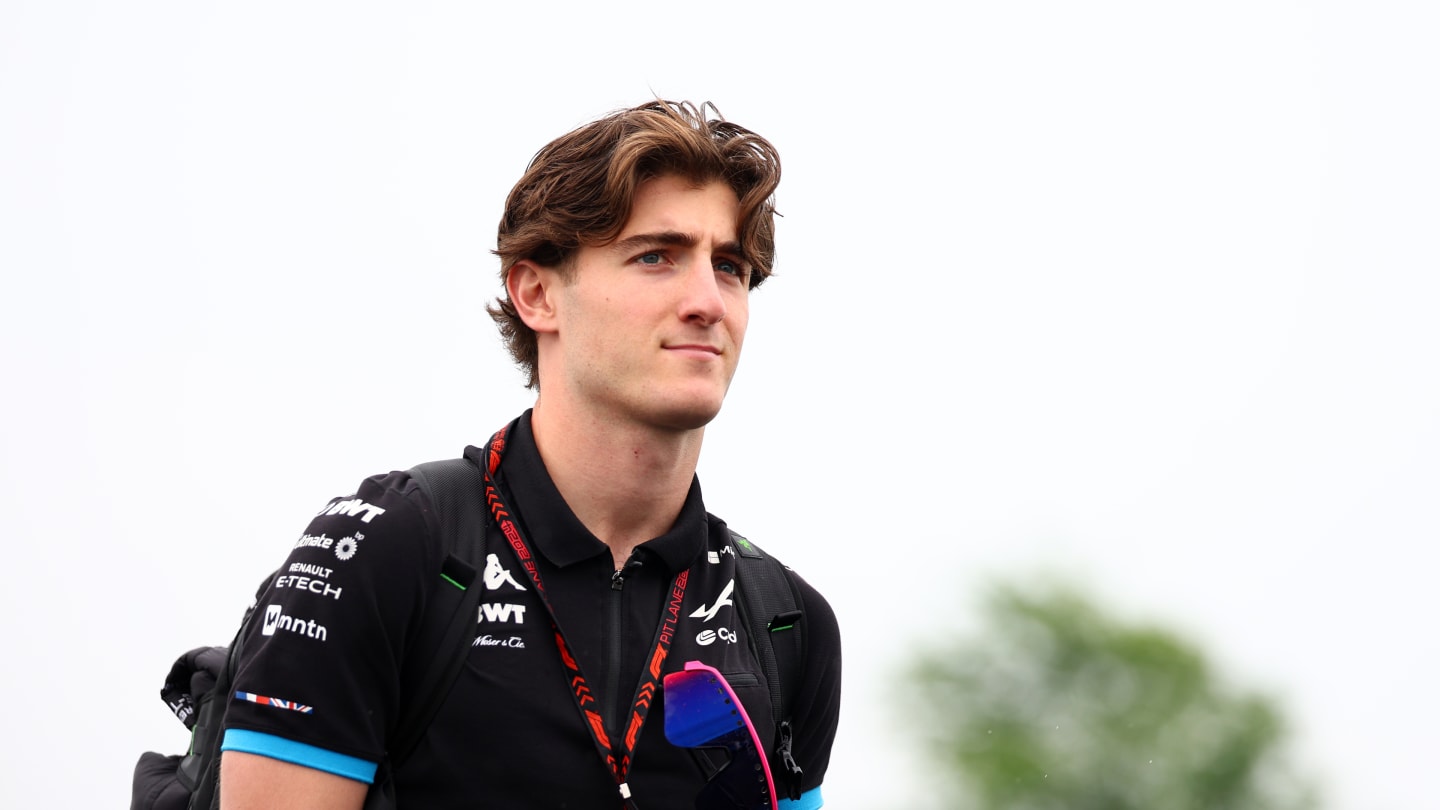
x=353, y=507
x=276, y=620
x=500, y=612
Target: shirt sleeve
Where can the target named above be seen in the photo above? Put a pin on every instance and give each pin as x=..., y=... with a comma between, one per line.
x=320, y=668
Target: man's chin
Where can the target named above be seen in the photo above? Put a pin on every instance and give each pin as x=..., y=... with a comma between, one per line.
x=690, y=421
x=688, y=416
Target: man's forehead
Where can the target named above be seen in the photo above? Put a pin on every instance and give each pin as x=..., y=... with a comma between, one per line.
x=675, y=210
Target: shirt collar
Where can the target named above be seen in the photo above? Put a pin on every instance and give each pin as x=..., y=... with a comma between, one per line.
x=554, y=531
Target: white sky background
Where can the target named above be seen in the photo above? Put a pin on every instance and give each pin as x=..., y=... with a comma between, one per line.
x=1143, y=294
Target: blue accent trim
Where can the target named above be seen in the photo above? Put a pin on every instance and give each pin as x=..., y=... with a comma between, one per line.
x=809, y=800
x=298, y=753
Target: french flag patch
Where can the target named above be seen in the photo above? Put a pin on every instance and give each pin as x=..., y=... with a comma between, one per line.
x=275, y=702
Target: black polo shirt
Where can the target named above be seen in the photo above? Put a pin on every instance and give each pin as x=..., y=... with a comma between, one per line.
x=322, y=674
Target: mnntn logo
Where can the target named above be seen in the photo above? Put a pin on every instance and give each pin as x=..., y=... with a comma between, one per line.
x=277, y=621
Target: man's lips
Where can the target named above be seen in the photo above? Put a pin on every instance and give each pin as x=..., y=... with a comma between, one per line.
x=695, y=348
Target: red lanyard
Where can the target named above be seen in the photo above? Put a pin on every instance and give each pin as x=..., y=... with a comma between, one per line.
x=616, y=755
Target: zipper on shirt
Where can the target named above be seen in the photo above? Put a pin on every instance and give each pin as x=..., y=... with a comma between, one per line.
x=614, y=644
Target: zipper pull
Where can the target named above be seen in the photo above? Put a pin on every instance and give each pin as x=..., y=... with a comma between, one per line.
x=617, y=579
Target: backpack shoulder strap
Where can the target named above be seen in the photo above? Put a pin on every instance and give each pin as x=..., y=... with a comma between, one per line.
x=772, y=610
x=199, y=770
x=453, y=488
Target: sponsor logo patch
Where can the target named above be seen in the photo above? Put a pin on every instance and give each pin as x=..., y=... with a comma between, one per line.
x=276, y=703
x=513, y=642
x=353, y=507
x=497, y=574
x=314, y=541
x=313, y=570
x=346, y=547
x=277, y=622
x=501, y=612
x=708, y=637
x=708, y=613
x=316, y=586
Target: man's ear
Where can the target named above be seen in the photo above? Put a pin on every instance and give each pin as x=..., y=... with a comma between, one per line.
x=532, y=290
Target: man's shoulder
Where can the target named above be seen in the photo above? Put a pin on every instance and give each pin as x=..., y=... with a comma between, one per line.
x=383, y=520
x=763, y=566
x=743, y=545
x=409, y=492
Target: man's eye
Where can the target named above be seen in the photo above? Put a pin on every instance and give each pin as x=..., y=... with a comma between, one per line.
x=650, y=258
x=735, y=269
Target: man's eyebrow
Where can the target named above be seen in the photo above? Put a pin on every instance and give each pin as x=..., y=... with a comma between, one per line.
x=678, y=238
x=641, y=240
x=732, y=249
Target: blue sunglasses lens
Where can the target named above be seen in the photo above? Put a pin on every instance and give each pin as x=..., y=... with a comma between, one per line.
x=702, y=711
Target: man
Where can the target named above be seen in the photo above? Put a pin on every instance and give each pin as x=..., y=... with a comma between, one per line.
x=628, y=252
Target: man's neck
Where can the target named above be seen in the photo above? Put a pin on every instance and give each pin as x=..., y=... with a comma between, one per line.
x=625, y=483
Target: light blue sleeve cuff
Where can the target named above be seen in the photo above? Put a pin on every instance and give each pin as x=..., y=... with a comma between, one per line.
x=809, y=800
x=298, y=753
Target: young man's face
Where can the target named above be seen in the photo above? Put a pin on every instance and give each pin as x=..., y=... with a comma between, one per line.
x=651, y=325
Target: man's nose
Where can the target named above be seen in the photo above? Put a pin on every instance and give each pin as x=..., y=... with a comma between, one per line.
x=702, y=301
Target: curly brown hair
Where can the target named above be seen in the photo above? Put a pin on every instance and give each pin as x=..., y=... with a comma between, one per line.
x=579, y=189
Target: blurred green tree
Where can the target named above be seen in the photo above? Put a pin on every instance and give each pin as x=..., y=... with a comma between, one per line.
x=1057, y=706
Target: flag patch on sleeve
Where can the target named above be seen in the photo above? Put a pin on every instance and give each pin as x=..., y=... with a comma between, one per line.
x=274, y=702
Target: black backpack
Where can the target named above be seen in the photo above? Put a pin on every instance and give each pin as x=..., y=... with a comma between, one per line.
x=198, y=686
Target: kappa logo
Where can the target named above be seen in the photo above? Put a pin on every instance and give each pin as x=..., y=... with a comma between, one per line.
x=276, y=621
x=497, y=575
x=352, y=507
x=709, y=613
